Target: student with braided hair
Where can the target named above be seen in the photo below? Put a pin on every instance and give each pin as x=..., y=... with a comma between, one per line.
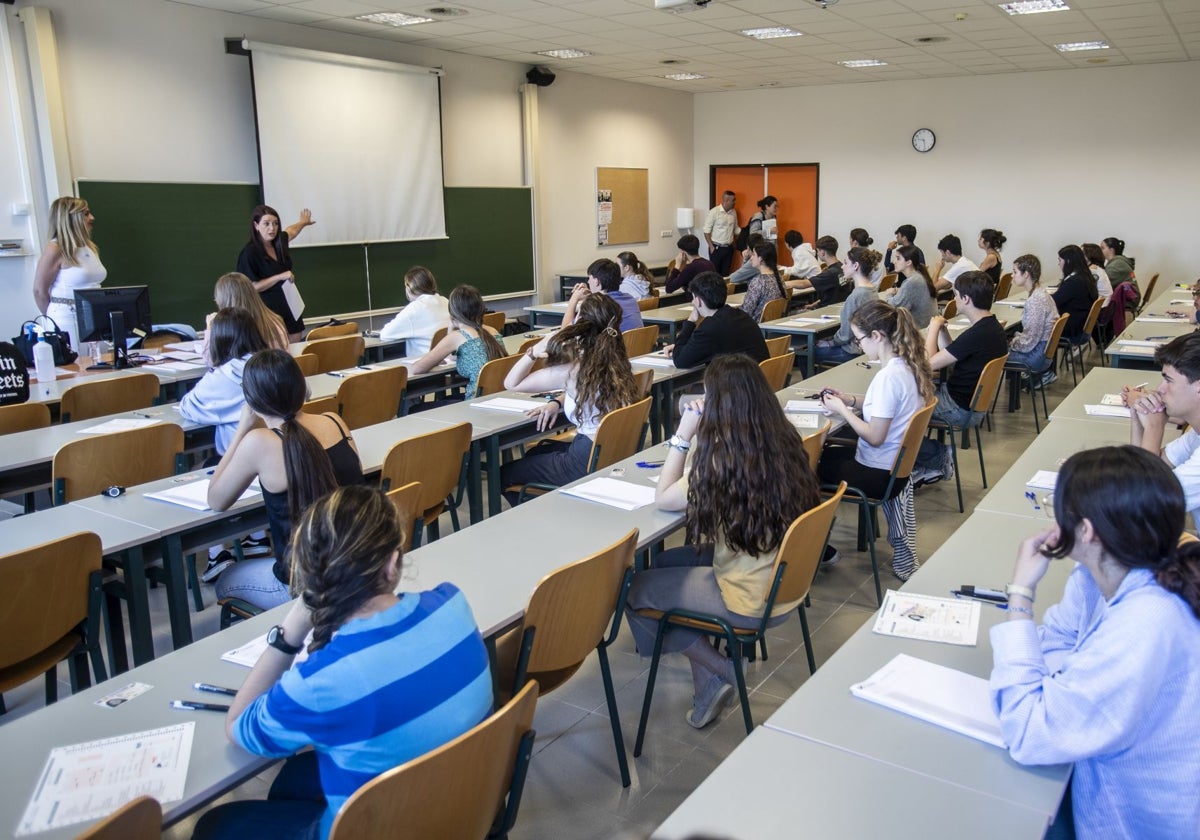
x=388, y=678
x=296, y=457
x=903, y=386
x=587, y=361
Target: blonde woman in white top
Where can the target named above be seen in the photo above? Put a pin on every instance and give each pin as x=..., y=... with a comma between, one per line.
x=426, y=313
x=71, y=261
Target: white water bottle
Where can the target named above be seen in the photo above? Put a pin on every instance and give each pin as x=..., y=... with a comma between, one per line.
x=43, y=362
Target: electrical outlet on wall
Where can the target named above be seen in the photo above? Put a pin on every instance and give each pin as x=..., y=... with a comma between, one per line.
x=665, y=234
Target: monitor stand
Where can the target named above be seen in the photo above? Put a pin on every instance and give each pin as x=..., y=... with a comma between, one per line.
x=120, y=338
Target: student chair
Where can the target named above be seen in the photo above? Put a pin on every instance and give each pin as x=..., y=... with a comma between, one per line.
x=373, y=396
x=814, y=444
x=1148, y=293
x=439, y=461
x=437, y=336
x=321, y=405
x=951, y=310
x=778, y=370
x=86, y=466
x=51, y=612
x=573, y=610
x=336, y=353
x=1015, y=370
x=640, y=340
x=24, y=417
x=332, y=331
x=309, y=364
x=407, y=501
x=1004, y=287
x=139, y=819
x=796, y=563
x=108, y=396
x=645, y=381
x=779, y=345
x=647, y=303
x=492, y=374
x=886, y=282
x=984, y=396
x=495, y=320
x=774, y=310
x=469, y=788
x=1076, y=345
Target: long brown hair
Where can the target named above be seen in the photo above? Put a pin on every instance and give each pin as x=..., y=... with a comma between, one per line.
x=235, y=289
x=604, y=381
x=750, y=477
x=280, y=241
x=340, y=549
x=466, y=307
x=896, y=325
x=913, y=255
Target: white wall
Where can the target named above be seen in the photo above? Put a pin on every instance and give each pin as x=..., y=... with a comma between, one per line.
x=1049, y=158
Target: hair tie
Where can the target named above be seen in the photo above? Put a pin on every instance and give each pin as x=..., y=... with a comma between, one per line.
x=288, y=418
x=611, y=331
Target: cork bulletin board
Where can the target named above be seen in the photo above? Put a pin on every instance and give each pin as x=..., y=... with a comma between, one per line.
x=622, y=205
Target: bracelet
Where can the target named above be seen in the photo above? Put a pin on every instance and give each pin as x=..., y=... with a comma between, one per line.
x=855, y=398
x=1022, y=610
x=1024, y=591
x=556, y=401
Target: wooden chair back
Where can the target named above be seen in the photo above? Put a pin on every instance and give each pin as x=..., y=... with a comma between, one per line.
x=776, y=369
x=774, y=310
x=438, y=335
x=989, y=384
x=645, y=381
x=620, y=434
x=321, y=405
x=911, y=444
x=46, y=599
x=108, y=396
x=332, y=331
x=407, y=500
x=1004, y=287
x=1093, y=316
x=814, y=444
x=140, y=819
x=802, y=548
x=23, y=417
x=491, y=375
x=647, y=303
x=336, y=353
x=365, y=399
x=453, y=791
x=640, y=340
x=1146, y=295
x=951, y=310
x=435, y=459
x=309, y=364
x=730, y=289
x=495, y=320
x=779, y=345
x=886, y=282
x=94, y=462
x=526, y=344
x=1056, y=334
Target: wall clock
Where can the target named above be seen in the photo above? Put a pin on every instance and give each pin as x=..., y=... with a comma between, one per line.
x=923, y=139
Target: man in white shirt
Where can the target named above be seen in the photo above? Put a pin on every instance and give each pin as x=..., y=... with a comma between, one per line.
x=1175, y=400
x=720, y=228
x=951, y=263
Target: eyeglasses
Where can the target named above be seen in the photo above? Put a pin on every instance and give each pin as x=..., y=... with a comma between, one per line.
x=857, y=340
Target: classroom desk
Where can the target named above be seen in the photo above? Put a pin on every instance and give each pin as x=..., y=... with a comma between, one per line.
x=672, y=317
x=1122, y=355
x=324, y=385
x=981, y=552
x=809, y=327
x=546, y=314
x=785, y=786
x=373, y=346
x=1092, y=388
x=173, y=383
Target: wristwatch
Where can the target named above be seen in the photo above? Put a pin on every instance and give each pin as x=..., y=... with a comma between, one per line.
x=676, y=442
x=1012, y=589
x=275, y=639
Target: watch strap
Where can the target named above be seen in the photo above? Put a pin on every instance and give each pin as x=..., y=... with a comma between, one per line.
x=1013, y=589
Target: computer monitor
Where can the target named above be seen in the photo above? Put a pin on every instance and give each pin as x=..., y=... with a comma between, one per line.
x=110, y=314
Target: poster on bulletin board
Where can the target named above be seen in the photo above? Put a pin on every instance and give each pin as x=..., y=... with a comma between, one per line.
x=622, y=205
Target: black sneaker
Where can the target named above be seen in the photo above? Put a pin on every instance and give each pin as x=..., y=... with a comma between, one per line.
x=831, y=557
x=256, y=548
x=216, y=565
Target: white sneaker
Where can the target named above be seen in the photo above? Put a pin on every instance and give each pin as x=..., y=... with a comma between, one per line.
x=709, y=701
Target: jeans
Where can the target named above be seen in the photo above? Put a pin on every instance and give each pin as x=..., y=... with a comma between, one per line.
x=292, y=810
x=550, y=462
x=834, y=354
x=948, y=411
x=253, y=581
x=1035, y=358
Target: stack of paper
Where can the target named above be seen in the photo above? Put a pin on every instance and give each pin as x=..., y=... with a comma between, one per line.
x=120, y=424
x=1132, y=342
x=654, y=360
x=508, y=404
x=929, y=618
x=797, y=406
x=185, y=346
x=613, y=492
x=1043, y=480
x=1162, y=319
x=803, y=322
x=194, y=494
x=1106, y=410
x=804, y=421
x=935, y=694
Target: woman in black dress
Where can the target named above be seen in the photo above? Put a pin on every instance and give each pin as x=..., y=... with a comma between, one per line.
x=267, y=262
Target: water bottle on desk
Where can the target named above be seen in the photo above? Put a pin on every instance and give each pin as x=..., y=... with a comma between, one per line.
x=43, y=364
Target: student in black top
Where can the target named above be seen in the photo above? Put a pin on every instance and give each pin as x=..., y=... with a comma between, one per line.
x=905, y=235
x=828, y=284
x=726, y=329
x=265, y=259
x=1077, y=291
x=688, y=264
x=977, y=345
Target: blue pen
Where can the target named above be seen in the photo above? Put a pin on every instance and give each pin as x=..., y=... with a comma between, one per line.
x=1032, y=497
x=649, y=465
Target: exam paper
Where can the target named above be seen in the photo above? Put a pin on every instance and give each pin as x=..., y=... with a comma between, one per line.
x=194, y=494
x=120, y=424
x=1161, y=319
x=247, y=655
x=89, y=781
x=1106, y=410
x=176, y=367
x=1043, y=480
x=508, y=404
x=613, y=492
x=804, y=421
x=654, y=360
x=796, y=406
x=1131, y=342
x=929, y=618
x=1112, y=399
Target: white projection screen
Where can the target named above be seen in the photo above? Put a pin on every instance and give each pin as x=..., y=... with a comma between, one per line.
x=356, y=140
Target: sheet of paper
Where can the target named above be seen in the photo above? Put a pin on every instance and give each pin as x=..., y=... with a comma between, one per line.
x=1016, y=304
x=183, y=356
x=803, y=322
x=120, y=424
x=654, y=360
x=613, y=492
x=1043, y=480
x=805, y=421
x=1112, y=399
x=508, y=404
x=90, y=781
x=1131, y=342
x=185, y=346
x=929, y=618
x=194, y=494
x=1106, y=410
x=292, y=295
x=935, y=694
x=797, y=406
x=248, y=654
x=1161, y=319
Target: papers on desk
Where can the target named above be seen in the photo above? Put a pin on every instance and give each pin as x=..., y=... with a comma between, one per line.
x=1132, y=342
x=508, y=404
x=175, y=367
x=804, y=421
x=928, y=618
x=192, y=347
x=1018, y=304
x=182, y=356
x=624, y=495
x=801, y=406
x=1043, y=480
x=654, y=360
x=1162, y=319
x=90, y=781
x=247, y=655
x=1106, y=410
x=560, y=305
x=1112, y=399
x=120, y=424
x=194, y=494
x=935, y=694
x=808, y=322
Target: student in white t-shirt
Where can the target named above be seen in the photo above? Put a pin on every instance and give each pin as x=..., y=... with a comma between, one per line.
x=426, y=313
x=951, y=263
x=804, y=260
x=903, y=386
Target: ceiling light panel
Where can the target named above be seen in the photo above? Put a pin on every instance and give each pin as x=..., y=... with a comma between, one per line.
x=1034, y=7
x=766, y=33
x=394, y=18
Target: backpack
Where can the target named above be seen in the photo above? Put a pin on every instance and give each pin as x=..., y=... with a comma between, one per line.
x=14, y=375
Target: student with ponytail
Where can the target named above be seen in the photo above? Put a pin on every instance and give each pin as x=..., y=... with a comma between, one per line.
x=296, y=457
x=635, y=276
x=587, y=361
x=903, y=386
x=914, y=290
x=388, y=677
x=1110, y=680
x=473, y=343
x=857, y=267
x=766, y=285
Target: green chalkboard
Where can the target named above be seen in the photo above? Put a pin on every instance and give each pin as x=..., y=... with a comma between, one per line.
x=179, y=238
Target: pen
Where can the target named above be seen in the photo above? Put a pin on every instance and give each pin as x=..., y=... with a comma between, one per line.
x=143, y=414
x=338, y=374
x=1001, y=605
x=649, y=465
x=1140, y=387
x=1032, y=497
x=214, y=689
x=364, y=367
x=1157, y=337
x=198, y=707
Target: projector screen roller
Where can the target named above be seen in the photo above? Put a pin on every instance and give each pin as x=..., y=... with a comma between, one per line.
x=358, y=141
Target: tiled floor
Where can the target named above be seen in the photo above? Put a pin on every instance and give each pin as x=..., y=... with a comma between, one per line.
x=574, y=792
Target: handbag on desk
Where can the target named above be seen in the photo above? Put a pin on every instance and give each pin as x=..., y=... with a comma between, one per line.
x=59, y=340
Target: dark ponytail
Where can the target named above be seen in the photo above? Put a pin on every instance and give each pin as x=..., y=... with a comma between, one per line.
x=1180, y=573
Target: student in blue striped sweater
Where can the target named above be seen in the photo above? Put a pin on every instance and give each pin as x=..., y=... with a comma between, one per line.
x=386, y=679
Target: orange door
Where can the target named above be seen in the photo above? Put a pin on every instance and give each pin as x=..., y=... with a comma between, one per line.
x=796, y=188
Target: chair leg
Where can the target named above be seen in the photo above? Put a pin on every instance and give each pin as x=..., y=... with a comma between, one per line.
x=52, y=685
x=979, y=445
x=740, y=677
x=957, y=474
x=193, y=579
x=115, y=624
x=614, y=719
x=658, y=642
x=871, y=532
x=808, y=651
